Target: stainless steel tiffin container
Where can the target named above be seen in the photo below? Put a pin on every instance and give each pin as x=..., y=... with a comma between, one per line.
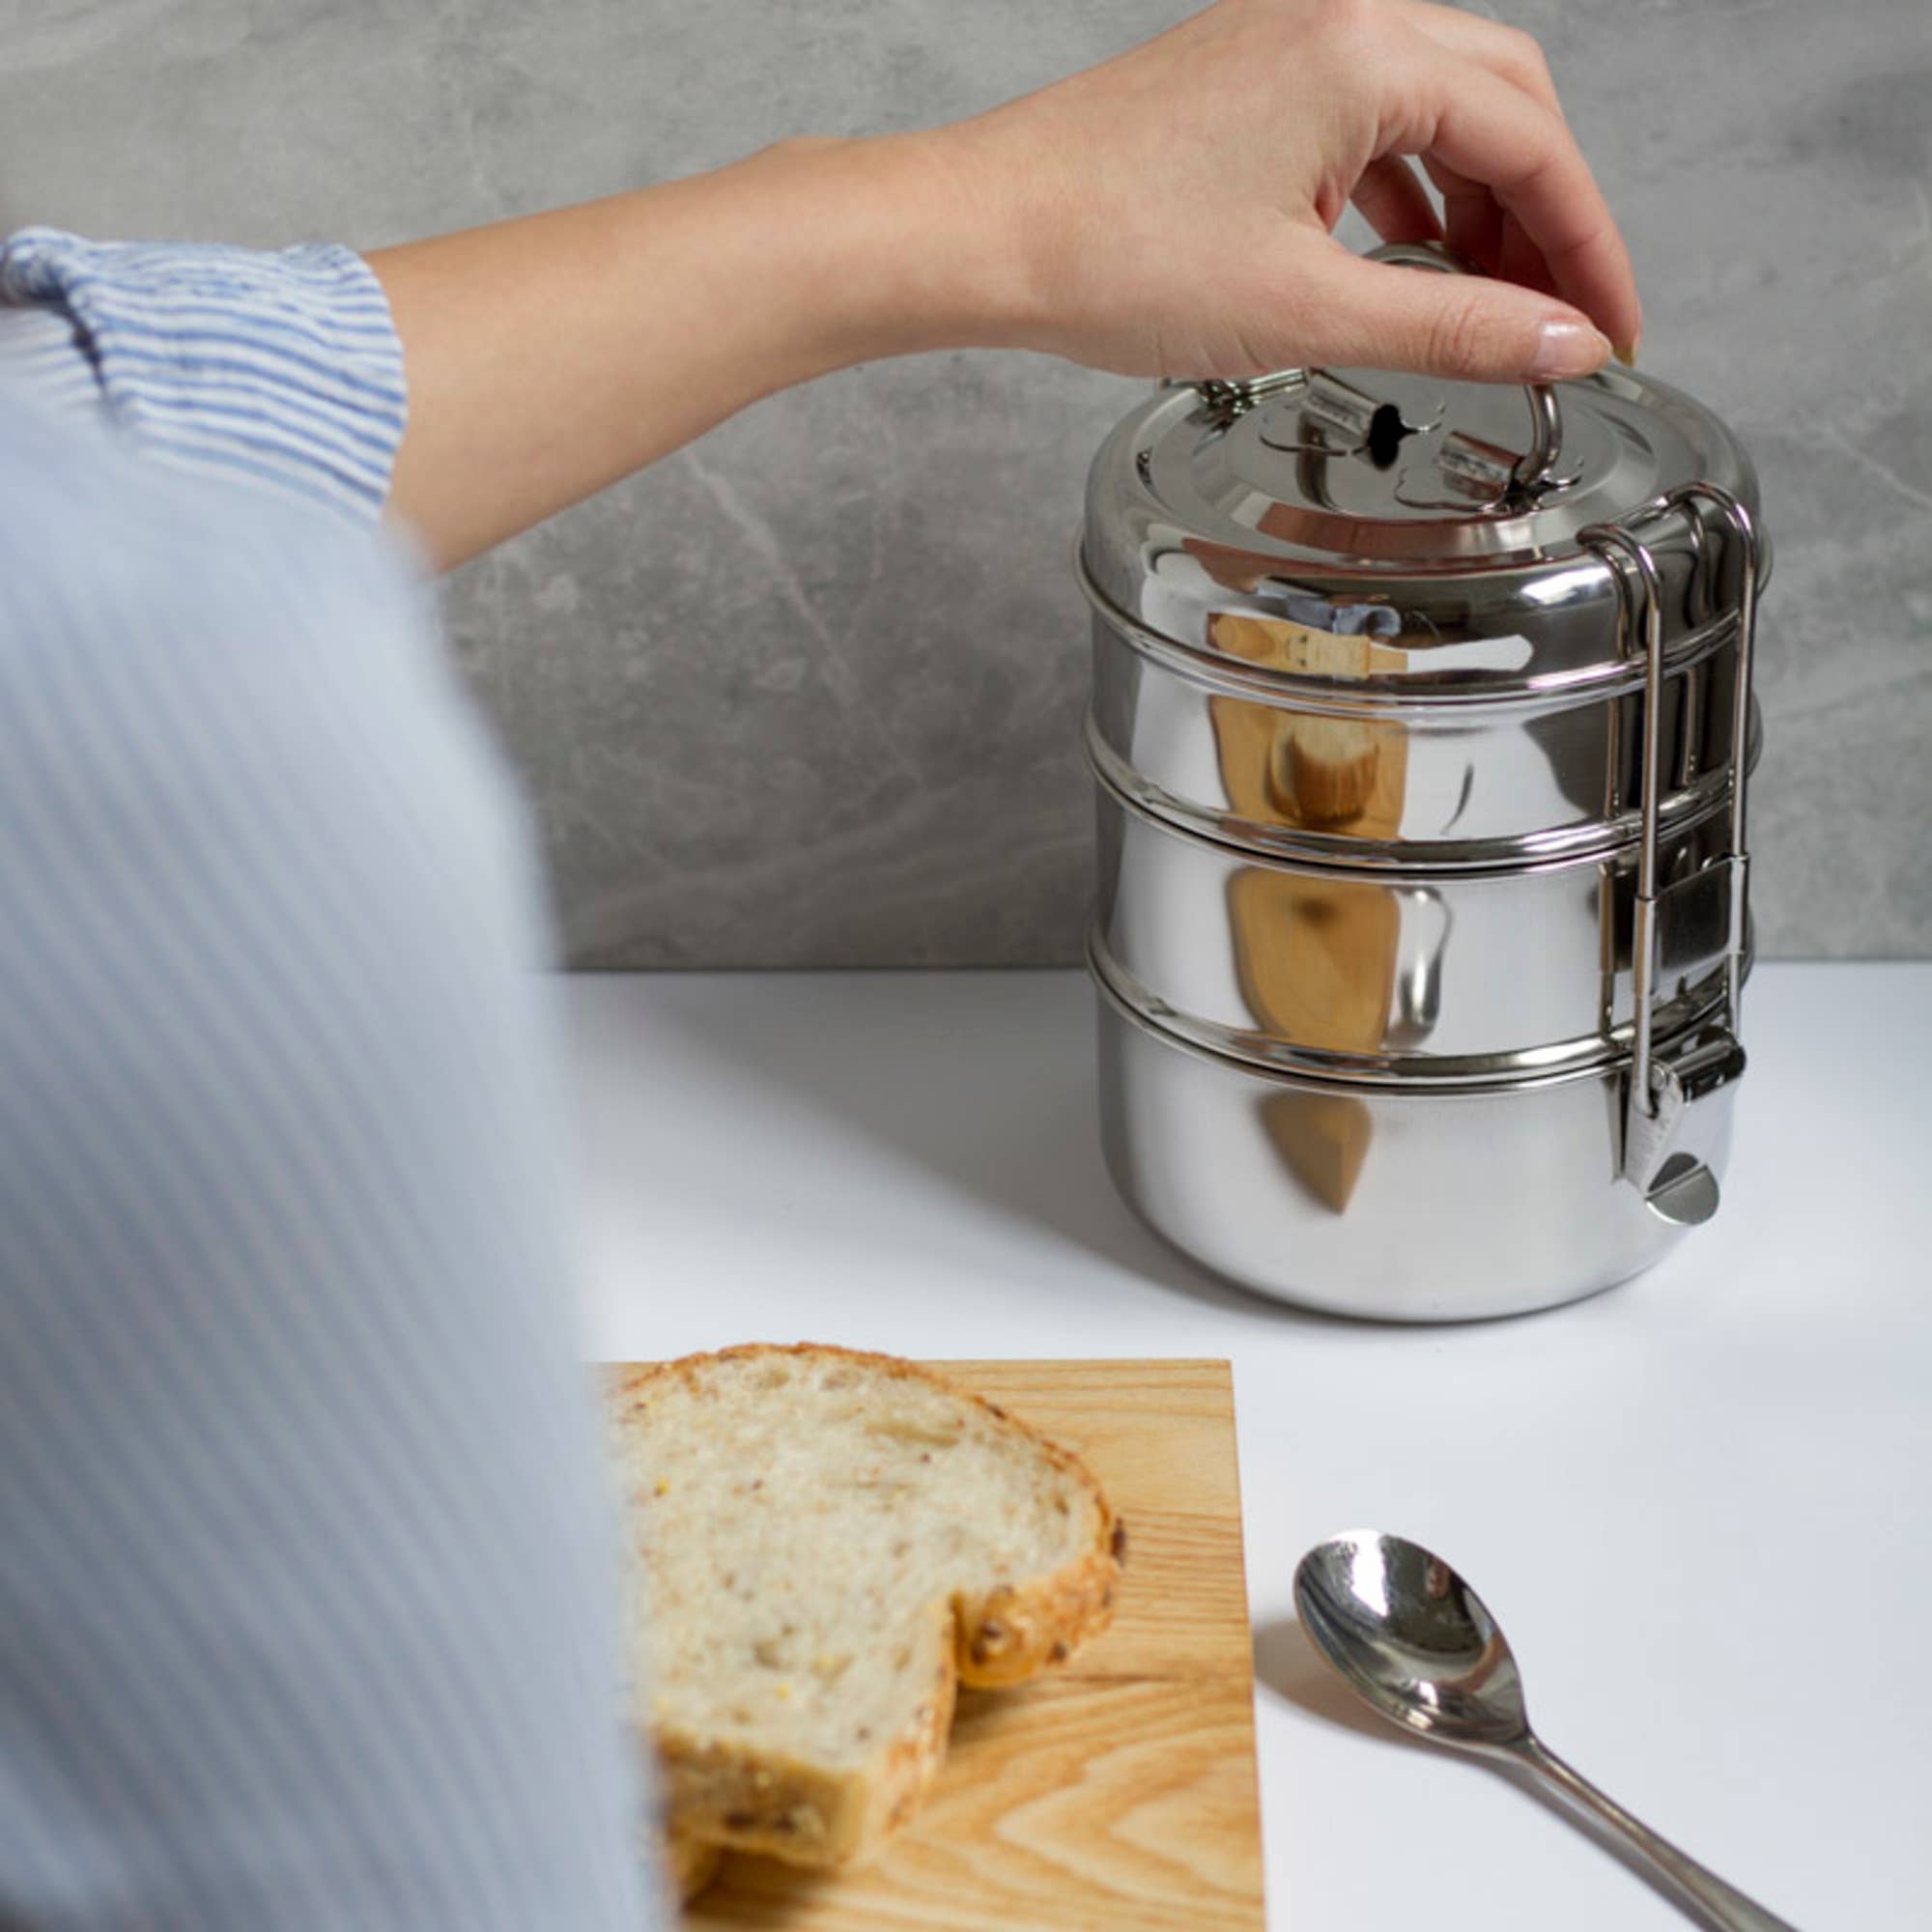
x=1421, y=725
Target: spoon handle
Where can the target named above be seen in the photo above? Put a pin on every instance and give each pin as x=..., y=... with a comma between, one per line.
x=1699, y=1892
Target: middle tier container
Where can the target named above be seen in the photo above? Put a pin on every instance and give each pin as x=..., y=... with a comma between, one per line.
x=1249, y=943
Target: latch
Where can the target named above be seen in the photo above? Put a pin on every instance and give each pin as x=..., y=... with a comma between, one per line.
x=1663, y=1087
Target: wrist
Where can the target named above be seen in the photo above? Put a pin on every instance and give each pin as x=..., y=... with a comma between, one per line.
x=895, y=244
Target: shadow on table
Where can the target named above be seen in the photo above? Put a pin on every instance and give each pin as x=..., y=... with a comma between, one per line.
x=1010, y=1118
x=1288, y=1665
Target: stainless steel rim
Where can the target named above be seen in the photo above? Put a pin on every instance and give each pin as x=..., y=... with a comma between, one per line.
x=1555, y=690
x=1254, y=1053
x=1528, y=852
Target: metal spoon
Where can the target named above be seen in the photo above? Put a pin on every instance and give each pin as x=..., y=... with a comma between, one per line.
x=1416, y=1643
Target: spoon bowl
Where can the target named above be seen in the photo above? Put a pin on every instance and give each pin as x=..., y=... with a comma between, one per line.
x=1412, y=1639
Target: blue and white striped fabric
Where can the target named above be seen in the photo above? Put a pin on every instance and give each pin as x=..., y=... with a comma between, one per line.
x=307, y=1611
x=279, y=369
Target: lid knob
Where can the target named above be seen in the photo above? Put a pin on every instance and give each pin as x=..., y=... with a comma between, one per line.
x=1509, y=480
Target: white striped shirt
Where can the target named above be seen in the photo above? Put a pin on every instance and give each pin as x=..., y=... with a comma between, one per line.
x=282, y=370
x=308, y=1616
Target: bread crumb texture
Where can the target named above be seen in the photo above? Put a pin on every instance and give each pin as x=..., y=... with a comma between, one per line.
x=823, y=1544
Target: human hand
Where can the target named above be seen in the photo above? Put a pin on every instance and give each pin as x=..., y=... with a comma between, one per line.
x=1169, y=212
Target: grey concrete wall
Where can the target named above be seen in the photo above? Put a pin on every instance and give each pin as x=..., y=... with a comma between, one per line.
x=807, y=693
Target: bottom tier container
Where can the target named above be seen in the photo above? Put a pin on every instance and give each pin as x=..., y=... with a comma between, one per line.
x=1392, y=1202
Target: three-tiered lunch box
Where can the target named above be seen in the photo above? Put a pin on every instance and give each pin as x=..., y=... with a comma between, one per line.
x=1421, y=722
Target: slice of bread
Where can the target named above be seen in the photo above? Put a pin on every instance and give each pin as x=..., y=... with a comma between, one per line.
x=826, y=1544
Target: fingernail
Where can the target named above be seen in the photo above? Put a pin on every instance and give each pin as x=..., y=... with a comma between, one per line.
x=1565, y=348
x=1627, y=350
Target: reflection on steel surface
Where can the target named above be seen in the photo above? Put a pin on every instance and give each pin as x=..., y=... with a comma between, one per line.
x=1322, y=1140
x=1300, y=769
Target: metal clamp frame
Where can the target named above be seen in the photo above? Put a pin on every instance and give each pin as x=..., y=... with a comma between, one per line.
x=1659, y=1093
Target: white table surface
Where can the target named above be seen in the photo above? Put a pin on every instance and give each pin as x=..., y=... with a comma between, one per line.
x=1701, y=1504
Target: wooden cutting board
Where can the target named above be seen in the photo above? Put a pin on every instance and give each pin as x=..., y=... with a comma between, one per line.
x=1117, y=1794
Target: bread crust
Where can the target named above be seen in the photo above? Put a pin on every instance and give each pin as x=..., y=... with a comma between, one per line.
x=720, y=1793
x=690, y=1864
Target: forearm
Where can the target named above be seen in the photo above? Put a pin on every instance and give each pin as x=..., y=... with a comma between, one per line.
x=549, y=356
x=1167, y=213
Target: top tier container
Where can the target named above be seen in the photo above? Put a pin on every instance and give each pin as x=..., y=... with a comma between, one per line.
x=1421, y=722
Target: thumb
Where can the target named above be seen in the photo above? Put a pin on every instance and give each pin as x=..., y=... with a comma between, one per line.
x=1468, y=327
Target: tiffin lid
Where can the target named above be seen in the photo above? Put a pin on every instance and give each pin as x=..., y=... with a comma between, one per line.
x=1443, y=522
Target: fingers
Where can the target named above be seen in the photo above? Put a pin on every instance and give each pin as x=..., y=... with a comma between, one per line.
x=1481, y=223
x=1472, y=215
x=1466, y=328
x=1490, y=132
x=1394, y=201
x=1520, y=260
x=1509, y=52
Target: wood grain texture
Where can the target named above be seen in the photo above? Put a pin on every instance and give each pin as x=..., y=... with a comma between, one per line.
x=1117, y=1794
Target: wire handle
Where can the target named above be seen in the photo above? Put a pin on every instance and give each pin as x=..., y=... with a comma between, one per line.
x=1535, y=466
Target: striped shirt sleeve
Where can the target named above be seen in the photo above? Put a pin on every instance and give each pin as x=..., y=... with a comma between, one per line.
x=308, y=1598
x=280, y=369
